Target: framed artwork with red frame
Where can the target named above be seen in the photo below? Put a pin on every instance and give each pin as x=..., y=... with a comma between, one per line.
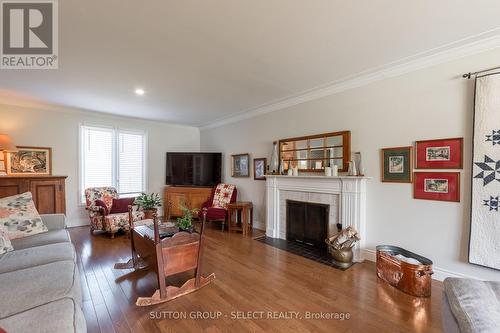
x=441, y=186
x=439, y=154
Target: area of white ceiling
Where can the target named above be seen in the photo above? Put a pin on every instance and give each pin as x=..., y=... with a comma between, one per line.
x=200, y=61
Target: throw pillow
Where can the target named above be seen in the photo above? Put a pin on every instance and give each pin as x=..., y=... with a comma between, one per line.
x=102, y=204
x=5, y=245
x=19, y=217
x=121, y=205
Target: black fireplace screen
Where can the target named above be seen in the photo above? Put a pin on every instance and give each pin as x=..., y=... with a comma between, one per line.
x=307, y=222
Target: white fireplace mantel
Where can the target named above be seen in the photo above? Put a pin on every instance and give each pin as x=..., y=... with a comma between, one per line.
x=345, y=194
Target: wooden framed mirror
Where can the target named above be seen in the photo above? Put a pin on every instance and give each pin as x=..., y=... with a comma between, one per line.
x=312, y=153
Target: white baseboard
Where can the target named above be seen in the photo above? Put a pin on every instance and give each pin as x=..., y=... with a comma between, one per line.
x=439, y=273
x=370, y=255
x=259, y=225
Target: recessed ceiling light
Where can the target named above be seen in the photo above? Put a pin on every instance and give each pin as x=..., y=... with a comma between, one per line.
x=139, y=91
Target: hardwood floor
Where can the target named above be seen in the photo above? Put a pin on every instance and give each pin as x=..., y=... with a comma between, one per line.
x=251, y=278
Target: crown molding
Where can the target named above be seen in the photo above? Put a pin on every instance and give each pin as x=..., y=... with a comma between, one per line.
x=465, y=47
x=20, y=101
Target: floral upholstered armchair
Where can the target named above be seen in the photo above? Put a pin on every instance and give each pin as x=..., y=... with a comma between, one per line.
x=107, y=212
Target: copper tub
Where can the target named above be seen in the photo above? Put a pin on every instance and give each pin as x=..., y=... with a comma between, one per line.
x=413, y=279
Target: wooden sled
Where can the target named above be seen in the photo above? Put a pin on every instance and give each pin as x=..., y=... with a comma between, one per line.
x=173, y=292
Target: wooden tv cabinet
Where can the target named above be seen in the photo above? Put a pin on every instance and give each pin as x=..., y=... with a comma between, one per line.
x=192, y=197
x=48, y=191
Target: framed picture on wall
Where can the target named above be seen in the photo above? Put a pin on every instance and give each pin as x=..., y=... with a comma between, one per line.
x=439, y=154
x=240, y=165
x=397, y=164
x=259, y=168
x=441, y=186
x=29, y=161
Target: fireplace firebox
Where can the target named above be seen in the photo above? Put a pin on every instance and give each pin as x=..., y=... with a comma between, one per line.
x=307, y=222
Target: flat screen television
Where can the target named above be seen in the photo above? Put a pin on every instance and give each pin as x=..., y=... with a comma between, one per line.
x=194, y=169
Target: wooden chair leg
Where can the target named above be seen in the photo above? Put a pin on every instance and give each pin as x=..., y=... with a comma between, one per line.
x=244, y=221
x=161, y=273
x=250, y=223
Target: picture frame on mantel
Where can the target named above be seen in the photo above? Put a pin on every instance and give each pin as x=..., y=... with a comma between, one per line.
x=397, y=165
x=259, y=168
x=29, y=161
x=240, y=165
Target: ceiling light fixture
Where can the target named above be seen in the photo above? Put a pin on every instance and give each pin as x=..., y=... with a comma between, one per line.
x=139, y=91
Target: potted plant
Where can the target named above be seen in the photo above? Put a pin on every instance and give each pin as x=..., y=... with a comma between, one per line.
x=149, y=204
x=185, y=223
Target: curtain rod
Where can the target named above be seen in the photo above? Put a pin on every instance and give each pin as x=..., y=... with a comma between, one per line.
x=469, y=75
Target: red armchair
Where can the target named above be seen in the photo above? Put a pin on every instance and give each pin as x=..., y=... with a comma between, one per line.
x=216, y=205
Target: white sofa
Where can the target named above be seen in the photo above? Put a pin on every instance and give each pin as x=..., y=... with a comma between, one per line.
x=40, y=284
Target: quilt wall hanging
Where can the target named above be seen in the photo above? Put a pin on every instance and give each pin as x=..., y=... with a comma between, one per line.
x=484, y=243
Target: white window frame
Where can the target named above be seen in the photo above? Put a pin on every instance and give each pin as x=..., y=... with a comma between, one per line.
x=115, y=161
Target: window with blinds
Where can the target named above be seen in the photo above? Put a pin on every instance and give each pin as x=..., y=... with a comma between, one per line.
x=131, y=163
x=113, y=157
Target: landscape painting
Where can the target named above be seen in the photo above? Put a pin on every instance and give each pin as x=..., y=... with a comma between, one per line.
x=439, y=153
x=396, y=164
x=436, y=185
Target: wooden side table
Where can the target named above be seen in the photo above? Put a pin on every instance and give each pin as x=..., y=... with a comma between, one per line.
x=244, y=209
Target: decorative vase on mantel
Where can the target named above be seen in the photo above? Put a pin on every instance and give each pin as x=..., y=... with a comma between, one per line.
x=359, y=165
x=275, y=159
x=352, y=171
x=281, y=168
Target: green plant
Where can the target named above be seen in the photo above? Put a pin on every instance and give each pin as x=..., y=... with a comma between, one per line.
x=147, y=202
x=186, y=221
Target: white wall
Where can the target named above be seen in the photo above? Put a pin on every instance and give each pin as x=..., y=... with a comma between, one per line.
x=58, y=128
x=431, y=103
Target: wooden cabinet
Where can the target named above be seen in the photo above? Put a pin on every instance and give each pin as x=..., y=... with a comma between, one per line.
x=176, y=199
x=192, y=197
x=49, y=193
